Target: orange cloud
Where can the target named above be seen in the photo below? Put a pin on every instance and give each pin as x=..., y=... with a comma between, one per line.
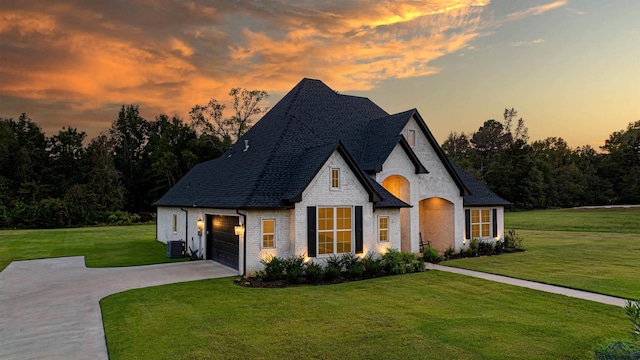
x=87, y=55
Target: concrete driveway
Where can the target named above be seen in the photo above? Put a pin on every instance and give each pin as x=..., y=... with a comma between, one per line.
x=49, y=307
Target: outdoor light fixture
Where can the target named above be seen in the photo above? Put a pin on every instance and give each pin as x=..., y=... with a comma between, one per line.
x=200, y=224
x=239, y=230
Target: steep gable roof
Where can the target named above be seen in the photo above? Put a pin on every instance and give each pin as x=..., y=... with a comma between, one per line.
x=480, y=195
x=300, y=129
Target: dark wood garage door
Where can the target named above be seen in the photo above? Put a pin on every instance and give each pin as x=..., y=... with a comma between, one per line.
x=223, y=245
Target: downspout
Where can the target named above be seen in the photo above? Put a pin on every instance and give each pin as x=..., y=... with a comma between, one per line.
x=186, y=229
x=244, y=243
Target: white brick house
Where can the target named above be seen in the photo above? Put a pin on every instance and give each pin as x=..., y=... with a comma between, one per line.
x=323, y=173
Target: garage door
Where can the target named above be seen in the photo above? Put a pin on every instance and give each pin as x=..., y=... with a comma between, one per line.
x=223, y=245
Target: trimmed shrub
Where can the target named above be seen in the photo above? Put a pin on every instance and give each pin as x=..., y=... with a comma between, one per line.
x=448, y=254
x=274, y=268
x=472, y=251
x=372, y=264
x=294, y=268
x=498, y=247
x=313, y=272
x=331, y=272
x=353, y=265
x=392, y=262
x=485, y=247
x=431, y=255
x=335, y=261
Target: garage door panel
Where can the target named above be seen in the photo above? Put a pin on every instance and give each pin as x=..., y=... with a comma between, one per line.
x=223, y=245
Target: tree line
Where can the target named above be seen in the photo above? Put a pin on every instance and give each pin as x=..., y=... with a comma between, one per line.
x=64, y=181
x=548, y=173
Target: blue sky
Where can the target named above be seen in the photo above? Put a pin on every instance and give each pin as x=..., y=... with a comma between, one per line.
x=570, y=67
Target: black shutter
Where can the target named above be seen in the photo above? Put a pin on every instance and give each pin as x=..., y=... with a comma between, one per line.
x=358, y=225
x=494, y=221
x=311, y=231
x=467, y=223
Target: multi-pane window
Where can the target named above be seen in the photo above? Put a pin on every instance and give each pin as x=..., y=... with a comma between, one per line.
x=335, y=178
x=334, y=230
x=268, y=233
x=480, y=223
x=412, y=138
x=383, y=228
x=175, y=223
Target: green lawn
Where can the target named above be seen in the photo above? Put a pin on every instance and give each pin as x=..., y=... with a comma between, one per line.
x=594, y=250
x=432, y=315
x=101, y=246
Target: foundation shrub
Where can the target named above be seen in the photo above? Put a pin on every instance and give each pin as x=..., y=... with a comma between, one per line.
x=353, y=265
x=431, y=255
x=313, y=272
x=331, y=272
x=294, y=268
x=372, y=264
x=485, y=247
x=274, y=268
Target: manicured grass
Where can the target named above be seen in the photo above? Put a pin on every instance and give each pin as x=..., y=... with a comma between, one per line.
x=618, y=220
x=599, y=253
x=101, y=246
x=607, y=263
x=432, y=315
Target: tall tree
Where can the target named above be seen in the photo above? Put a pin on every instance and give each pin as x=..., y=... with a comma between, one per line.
x=209, y=122
x=65, y=153
x=623, y=149
x=129, y=133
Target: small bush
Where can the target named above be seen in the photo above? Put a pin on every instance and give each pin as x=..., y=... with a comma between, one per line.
x=618, y=351
x=472, y=251
x=274, y=268
x=294, y=268
x=448, y=254
x=335, y=261
x=353, y=265
x=512, y=240
x=485, y=247
x=431, y=255
x=331, y=272
x=313, y=272
x=392, y=262
x=498, y=247
x=372, y=264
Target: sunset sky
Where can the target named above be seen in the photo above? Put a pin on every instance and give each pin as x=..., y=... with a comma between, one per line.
x=570, y=67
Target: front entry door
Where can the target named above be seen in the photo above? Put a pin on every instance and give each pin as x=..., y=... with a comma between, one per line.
x=223, y=245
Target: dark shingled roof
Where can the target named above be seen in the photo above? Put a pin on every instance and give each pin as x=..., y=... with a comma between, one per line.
x=480, y=194
x=289, y=145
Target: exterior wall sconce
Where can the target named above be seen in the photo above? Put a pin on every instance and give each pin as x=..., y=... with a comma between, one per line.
x=239, y=230
x=200, y=224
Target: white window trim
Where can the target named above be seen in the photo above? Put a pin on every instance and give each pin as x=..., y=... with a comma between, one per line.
x=379, y=229
x=490, y=223
x=335, y=230
x=275, y=233
x=331, y=179
x=175, y=224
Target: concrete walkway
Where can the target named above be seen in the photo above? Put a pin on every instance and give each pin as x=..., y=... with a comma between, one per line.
x=49, y=308
x=584, y=295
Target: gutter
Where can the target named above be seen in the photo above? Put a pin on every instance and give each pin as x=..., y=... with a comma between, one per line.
x=244, y=243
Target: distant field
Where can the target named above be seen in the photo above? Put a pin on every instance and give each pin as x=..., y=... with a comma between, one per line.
x=614, y=220
x=101, y=246
x=594, y=250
